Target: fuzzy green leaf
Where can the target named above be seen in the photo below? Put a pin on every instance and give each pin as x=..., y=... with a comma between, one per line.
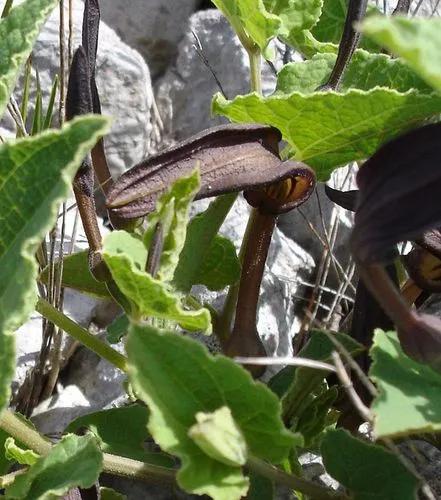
x=364, y=72
x=35, y=176
x=295, y=15
x=409, y=400
x=218, y=435
x=329, y=129
x=249, y=18
x=74, y=461
x=117, y=329
x=415, y=40
x=369, y=471
x=121, y=431
x=177, y=378
x=77, y=275
x=126, y=255
x=221, y=267
x=5, y=464
x=201, y=232
x=110, y=494
x=330, y=25
x=171, y=212
x=17, y=454
x=306, y=44
x=18, y=32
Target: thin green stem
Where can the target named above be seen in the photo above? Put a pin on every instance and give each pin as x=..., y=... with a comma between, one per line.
x=309, y=488
x=81, y=334
x=13, y=425
x=7, y=8
x=255, y=70
x=126, y=467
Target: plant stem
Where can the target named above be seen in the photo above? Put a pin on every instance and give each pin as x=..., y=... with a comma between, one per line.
x=21, y=431
x=255, y=70
x=7, y=8
x=113, y=464
x=309, y=488
x=126, y=467
x=134, y=469
x=81, y=334
x=223, y=327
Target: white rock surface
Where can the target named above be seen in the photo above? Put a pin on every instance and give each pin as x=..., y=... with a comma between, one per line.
x=185, y=92
x=123, y=81
x=153, y=27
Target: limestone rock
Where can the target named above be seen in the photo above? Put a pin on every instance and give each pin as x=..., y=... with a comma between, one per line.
x=153, y=27
x=185, y=92
x=123, y=81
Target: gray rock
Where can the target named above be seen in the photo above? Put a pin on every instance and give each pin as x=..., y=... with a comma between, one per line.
x=153, y=27
x=123, y=81
x=184, y=93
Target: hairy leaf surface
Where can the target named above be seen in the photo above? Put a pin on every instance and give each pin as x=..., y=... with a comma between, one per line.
x=369, y=471
x=409, y=400
x=415, y=40
x=329, y=129
x=18, y=31
x=126, y=257
x=171, y=212
x=177, y=378
x=197, y=249
x=35, y=175
x=74, y=461
x=251, y=18
x=121, y=431
x=365, y=71
x=77, y=275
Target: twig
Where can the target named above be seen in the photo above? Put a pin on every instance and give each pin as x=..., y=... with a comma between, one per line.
x=346, y=382
x=200, y=52
x=288, y=360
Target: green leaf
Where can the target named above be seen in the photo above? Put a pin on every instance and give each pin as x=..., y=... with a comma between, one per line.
x=306, y=44
x=317, y=416
x=295, y=15
x=218, y=435
x=330, y=25
x=5, y=464
x=249, y=18
x=77, y=275
x=121, y=431
x=117, y=329
x=329, y=129
x=171, y=212
x=35, y=176
x=298, y=384
x=364, y=72
x=18, y=454
x=261, y=488
x=18, y=32
x=126, y=256
x=370, y=472
x=74, y=461
x=177, y=378
x=221, y=267
x=201, y=232
x=409, y=399
x=109, y=494
x=415, y=40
